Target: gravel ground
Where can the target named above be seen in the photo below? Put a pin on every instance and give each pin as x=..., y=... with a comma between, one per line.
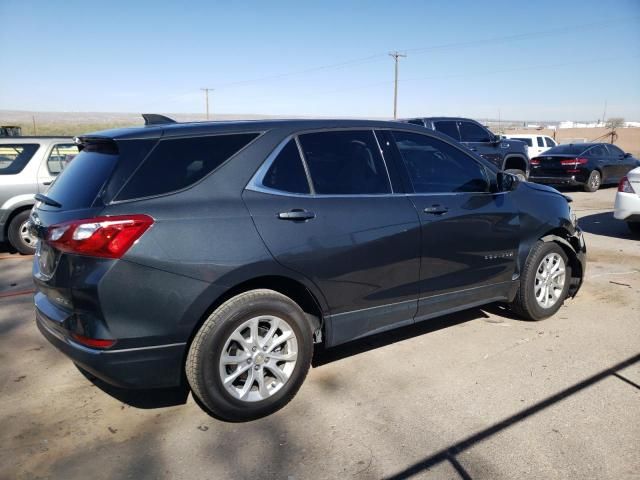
x=477, y=394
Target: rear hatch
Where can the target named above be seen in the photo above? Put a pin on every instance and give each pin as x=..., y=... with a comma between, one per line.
x=67, y=283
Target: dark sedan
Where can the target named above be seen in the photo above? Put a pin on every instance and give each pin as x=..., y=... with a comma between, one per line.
x=587, y=164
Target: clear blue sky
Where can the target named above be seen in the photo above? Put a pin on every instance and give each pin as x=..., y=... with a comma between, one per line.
x=563, y=60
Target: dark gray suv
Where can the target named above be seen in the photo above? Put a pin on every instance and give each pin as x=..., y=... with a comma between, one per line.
x=218, y=254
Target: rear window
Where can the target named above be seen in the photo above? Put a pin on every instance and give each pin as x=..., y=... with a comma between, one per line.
x=179, y=163
x=14, y=157
x=528, y=141
x=80, y=182
x=569, y=149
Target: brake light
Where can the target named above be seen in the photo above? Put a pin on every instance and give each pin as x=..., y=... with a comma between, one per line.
x=108, y=237
x=93, y=342
x=535, y=161
x=625, y=186
x=573, y=162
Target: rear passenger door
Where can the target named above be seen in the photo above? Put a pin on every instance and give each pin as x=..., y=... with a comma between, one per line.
x=602, y=160
x=325, y=207
x=470, y=236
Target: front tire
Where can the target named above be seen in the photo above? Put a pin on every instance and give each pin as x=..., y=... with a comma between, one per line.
x=250, y=356
x=544, y=282
x=19, y=236
x=634, y=227
x=593, y=182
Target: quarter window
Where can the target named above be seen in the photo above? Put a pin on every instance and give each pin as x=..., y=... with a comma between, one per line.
x=286, y=173
x=178, y=163
x=470, y=132
x=550, y=142
x=345, y=163
x=60, y=156
x=437, y=167
x=14, y=157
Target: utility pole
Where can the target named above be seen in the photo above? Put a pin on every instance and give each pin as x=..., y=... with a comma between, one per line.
x=604, y=115
x=396, y=56
x=206, y=99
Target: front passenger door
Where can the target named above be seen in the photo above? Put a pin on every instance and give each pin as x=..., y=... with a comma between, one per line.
x=470, y=236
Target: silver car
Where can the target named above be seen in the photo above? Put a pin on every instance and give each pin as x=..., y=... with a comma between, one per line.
x=28, y=165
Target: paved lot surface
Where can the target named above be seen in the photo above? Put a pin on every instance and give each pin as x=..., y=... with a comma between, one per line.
x=473, y=395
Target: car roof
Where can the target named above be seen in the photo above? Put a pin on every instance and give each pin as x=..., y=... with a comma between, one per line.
x=209, y=128
x=435, y=119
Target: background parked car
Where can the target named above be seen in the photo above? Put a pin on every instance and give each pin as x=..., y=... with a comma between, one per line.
x=510, y=156
x=28, y=165
x=536, y=144
x=627, y=206
x=588, y=164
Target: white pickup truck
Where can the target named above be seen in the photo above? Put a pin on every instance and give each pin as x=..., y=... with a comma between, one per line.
x=536, y=144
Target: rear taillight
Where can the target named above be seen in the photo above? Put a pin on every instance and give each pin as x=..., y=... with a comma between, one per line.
x=108, y=237
x=93, y=342
x=573, y=162
x=625, y=186
x=535, y=161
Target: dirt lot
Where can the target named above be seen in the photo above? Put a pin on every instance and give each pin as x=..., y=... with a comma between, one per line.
x=473, y=395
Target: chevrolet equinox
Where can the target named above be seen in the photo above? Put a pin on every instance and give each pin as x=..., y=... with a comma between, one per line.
x=219, y=253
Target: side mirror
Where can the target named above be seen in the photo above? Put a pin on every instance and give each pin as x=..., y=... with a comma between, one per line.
x=627, y=155
x=507, y=182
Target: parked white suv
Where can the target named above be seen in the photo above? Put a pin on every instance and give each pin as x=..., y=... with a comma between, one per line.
x=536, y=144
x=627, y=205
x=28, y=165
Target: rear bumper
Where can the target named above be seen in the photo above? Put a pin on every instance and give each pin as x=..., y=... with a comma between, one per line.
x=627, y=207
x=553, y=180
x=154, y=366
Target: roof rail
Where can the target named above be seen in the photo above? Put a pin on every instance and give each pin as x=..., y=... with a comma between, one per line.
x=155, y=119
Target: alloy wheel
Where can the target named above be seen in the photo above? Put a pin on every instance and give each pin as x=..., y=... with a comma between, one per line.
x=550, y=280
x=25, y=235
x=258, y=358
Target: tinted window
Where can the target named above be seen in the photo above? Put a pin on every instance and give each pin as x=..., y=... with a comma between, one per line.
x=60, y=156
x=347, y=162
x=287, y=172
x=528, y=141
x=615, y=151
x=436, y=167
x=540, y=141
x=470, y=132
x=81, y=181
x=550, y=142
x=568, y=149
x=597, y=151
x=178, y=163
x=14, y=157
x=448, y=127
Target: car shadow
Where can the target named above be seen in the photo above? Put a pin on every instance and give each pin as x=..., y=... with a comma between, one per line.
x=605, y=225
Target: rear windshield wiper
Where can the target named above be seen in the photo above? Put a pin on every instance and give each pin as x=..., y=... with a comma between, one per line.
x=46, y=200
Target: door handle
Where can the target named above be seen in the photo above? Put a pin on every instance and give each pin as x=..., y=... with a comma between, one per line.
x=297, y=214
x=436, y=210
x=47, y=183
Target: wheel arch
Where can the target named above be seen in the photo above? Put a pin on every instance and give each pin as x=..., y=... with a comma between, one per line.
x=566, y=241
x=16, y=211
x=515, y=161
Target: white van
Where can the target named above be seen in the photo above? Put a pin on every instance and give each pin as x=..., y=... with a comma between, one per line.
x=536, y=144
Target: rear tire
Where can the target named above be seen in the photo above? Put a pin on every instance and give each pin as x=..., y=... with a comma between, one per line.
x=19, y=236
x=593, y=182
x=544, y=282
x=250, y=356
